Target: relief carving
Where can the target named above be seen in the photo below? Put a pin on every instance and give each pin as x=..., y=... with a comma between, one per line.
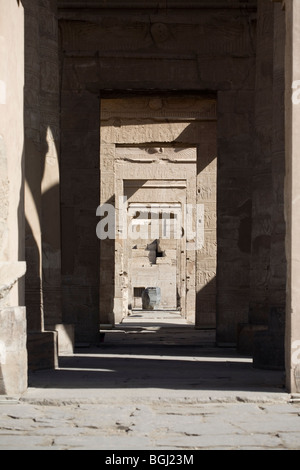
x=160, y=33
x=10, y=272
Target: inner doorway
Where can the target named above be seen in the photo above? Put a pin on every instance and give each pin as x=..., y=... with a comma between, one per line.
x=155, y=248
x=158, y=169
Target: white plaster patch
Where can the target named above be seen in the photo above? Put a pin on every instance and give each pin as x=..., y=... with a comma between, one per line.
x=2, y=92
x=2, y=353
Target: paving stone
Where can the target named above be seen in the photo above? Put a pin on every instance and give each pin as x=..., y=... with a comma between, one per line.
x=156, y=427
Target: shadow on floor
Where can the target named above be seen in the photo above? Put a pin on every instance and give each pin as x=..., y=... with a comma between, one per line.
x=168, y=359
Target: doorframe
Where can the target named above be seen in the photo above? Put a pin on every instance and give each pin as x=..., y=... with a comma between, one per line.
x=205, y=115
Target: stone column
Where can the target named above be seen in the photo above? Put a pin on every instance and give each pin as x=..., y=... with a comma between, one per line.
x=42, y=198
x=107, y=301
x=292, y=194
x=13, y=353
x=268, y=348
x=33, y=169
x=50, y=143
x=262, y=168
x=262, y=337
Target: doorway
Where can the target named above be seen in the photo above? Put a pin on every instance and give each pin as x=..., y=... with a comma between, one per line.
x=158, y=170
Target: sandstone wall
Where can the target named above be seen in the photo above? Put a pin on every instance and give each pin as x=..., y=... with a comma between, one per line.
x=292, y=192
x=13, y=353
x=42, y=181
x=43, y=281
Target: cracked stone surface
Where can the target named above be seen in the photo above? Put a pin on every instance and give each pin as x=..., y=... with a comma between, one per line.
x=150, y=426
x=151, y=388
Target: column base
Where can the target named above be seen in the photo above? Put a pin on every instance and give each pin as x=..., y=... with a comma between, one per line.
x=65, y=338
x=268, y=347
x=42, y=350
x=13, y=352
x=268, y=351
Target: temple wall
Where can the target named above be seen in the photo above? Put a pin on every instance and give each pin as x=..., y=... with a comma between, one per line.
x=13, y=352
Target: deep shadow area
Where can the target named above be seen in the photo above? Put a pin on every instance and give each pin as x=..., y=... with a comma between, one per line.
x=158, y=359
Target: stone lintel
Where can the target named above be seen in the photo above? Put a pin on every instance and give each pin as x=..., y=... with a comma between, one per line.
x=157, y=4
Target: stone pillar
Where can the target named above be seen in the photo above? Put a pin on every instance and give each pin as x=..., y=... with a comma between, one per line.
x=107, y=300
x=235, y=165
x=292, y=195
x=262, y=169
x=33, y=170
x=268, y=347
x=13, y=353
x=50, y=143
x=42, y=197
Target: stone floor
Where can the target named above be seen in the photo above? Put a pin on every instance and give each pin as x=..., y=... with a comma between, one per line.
x=155, y=383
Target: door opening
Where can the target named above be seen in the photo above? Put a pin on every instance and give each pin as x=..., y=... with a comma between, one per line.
x=157, y=170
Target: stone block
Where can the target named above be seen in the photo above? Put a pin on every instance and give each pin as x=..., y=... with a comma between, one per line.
x=13, y=352
x=167, y=244
x=141, y=262
x=268, y=350
x=65, y=338
x=139, y=253
x=170, y=254
x=164, y=260
x=42, y=349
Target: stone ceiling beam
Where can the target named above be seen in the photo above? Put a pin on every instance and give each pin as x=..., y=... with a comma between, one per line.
x=158, y=4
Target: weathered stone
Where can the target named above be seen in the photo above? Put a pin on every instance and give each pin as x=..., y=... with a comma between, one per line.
x=13, y=352
x=10, y=273
x=65, y=338
x=151, y=298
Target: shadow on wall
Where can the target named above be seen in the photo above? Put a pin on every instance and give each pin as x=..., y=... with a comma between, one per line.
x=42, y=240
x=206, y=304
x=21, y=229
x=34, y=168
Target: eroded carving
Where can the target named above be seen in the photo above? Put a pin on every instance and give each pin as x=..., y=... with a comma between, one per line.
x=10, y=272
x=160, y=33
